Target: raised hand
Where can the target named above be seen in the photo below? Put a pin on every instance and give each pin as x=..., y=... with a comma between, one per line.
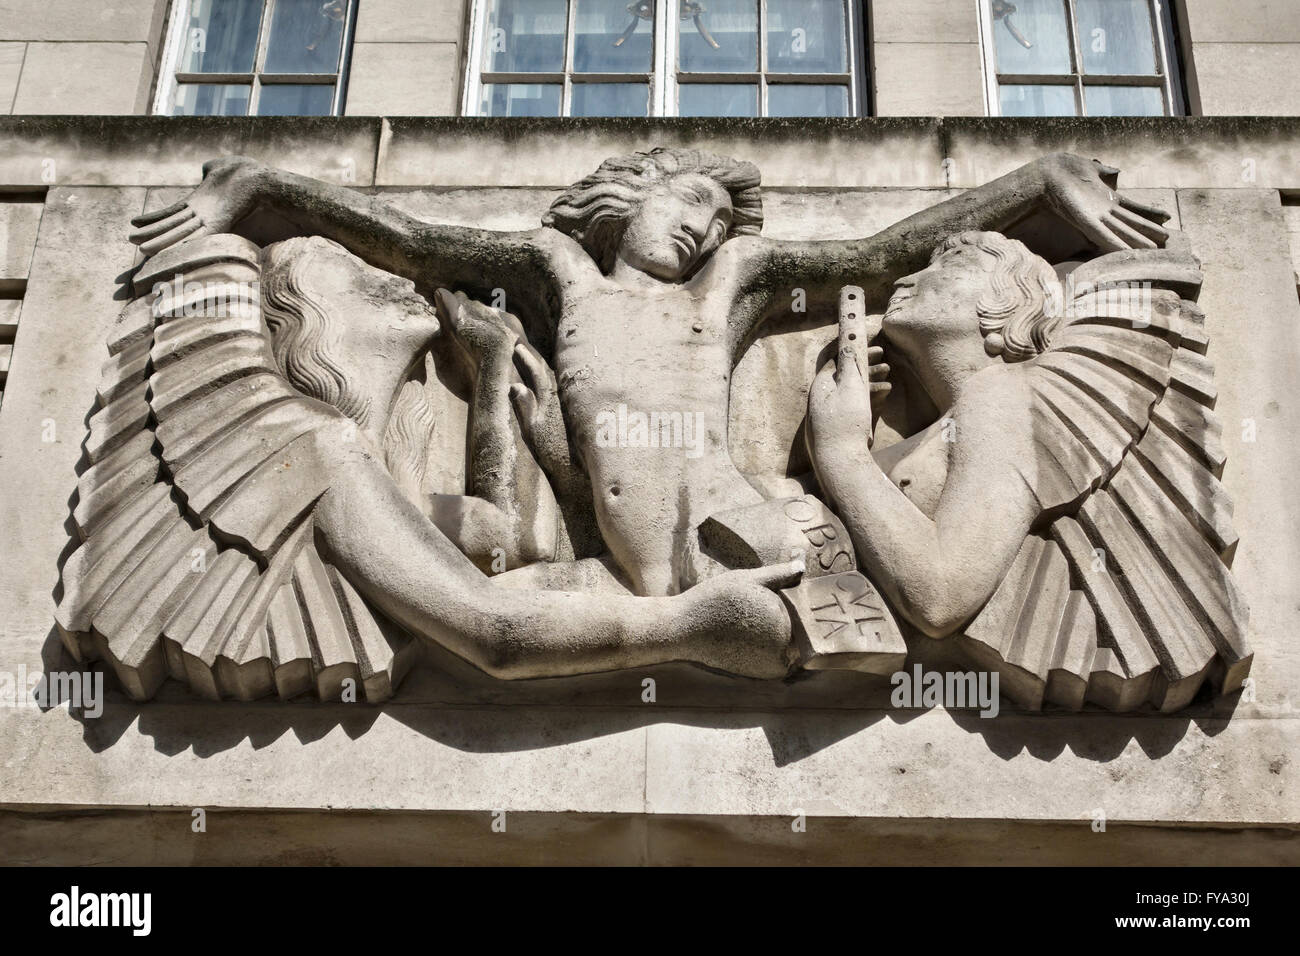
x=482, y=332
x=1083, y=191
x=229, y=192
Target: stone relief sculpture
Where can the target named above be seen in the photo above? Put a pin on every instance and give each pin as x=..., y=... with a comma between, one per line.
x=257, y=514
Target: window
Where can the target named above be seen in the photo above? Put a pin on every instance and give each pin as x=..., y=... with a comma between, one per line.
x=255, y=58
x=1080, y=58
x=664, y=58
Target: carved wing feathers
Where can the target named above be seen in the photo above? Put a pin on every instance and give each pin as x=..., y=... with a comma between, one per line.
x=1123, y=594
x=197, y=558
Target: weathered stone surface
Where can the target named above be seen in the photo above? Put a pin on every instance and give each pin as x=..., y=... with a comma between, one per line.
x=1207, y=152
x=915, y=21
x=18, y=224
x=928, y=79
x=1247, y=267
x=165, y=151
x=1230, y=77
x=1249, y=21
x=71, y=20
x=1172, y=786
x=11, y=61
x=410, y=21
x=406, y=79
x=450, y=153
x=84, y=78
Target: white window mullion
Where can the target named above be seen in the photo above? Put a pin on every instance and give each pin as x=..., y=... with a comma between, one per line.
x=1163, y=56
x=570, y=28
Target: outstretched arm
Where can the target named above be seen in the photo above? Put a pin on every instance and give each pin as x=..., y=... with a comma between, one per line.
x=1081, y=191
x=233, y=187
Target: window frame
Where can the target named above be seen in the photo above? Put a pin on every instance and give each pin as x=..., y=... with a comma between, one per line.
x=171, y=77
x=665, y=76
x=1168, y=80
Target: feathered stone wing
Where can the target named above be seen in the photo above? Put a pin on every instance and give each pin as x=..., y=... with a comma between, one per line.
x=197, y=559
x=1124, y=592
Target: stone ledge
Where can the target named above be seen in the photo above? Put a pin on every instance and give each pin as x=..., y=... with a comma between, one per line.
x=61, y=837
x=449, y=152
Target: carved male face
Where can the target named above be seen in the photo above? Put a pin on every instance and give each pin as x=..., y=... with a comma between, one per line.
x=680, y=223
x=940, y=300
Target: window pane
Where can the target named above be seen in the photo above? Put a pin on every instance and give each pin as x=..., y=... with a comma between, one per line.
x=731, y=44
x=717, y=99
x=294, y=100
x=520, y=99
x=1115, y=36
x=610, y=99
x=1037, y=100
x=525, y=36
x=798, y=99
x=221, y=36
x=1124, y=101
x=306, y=36
x=806, y=36
x=211, y=99
x=1039, y=23
x=612, y=38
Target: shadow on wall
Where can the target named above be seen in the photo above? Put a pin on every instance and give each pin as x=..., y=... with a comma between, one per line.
x=491, y=718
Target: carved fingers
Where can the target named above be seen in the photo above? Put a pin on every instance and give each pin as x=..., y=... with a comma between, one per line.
x=480, y=330
x=155, y=234
x=1084, y=192
x=537, y=406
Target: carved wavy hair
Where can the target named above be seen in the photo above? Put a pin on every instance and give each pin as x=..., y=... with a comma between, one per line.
x=596, y=210
x=301, y=323
x=1018, y=314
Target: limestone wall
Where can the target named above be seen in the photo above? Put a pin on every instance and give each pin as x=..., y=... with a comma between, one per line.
x=715, y=768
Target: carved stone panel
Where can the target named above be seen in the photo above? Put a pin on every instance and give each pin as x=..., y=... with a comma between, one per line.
x=1015, y=455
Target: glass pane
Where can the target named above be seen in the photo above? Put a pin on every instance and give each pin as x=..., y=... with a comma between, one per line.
x=798, y=99
x=1124, y=100
x=610, y=99
x=1037, y=100
x=717, y=99
x=211, y=99
x=1033, y=38
x=290, y=99
x=613, y=37
x=525, y=36
x=806, y=36
x=1115, y=36
x=718, y=37
x=520, y=99
x=221, y=36
x=306, y=36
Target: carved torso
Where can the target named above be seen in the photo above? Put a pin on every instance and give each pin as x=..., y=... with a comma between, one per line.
x=662, y=353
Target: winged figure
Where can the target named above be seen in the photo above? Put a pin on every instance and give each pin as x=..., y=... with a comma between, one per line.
x=256, y=515
x=1063, y=514
x=249, y=519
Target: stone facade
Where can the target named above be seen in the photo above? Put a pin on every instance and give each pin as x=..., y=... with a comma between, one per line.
x=708, y=767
